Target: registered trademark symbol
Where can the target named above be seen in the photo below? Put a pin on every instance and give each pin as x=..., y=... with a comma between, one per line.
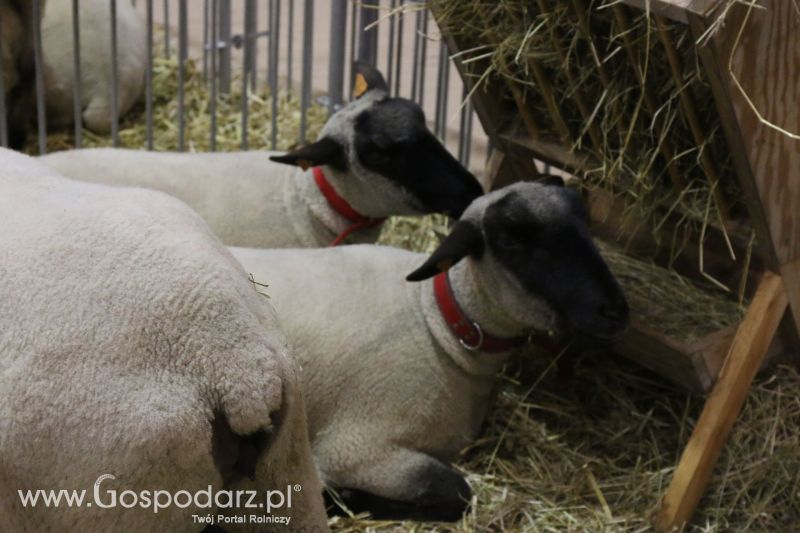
x=298, y=488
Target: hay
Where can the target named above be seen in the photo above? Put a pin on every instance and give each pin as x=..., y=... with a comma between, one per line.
x=132, y=133
x=597, y=456
x=669, y=303
x=627, y=113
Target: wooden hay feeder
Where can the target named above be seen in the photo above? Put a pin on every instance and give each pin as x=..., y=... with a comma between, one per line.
x=651, y=101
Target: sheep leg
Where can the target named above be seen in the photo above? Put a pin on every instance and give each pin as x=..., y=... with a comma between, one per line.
x=96, y=116
x=422, y=488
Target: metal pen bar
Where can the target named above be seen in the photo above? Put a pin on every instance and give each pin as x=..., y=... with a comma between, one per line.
x=414, y=70
x=441, y=112
x=249, y=46
x=225, y=45
x=270, y=15
x=76, y=74
x=206, y=44
x=368, y=38
x=274, y=40
x=468, y=135
x=354, y=11
x=423, y=37
x=167, y=51
x=183, y=45
x=308, y=43
x=39, y=66
x=254, y=50
x=390, y=52
x=148, y=83
x=213, y=103
x=399, y=60
x=290, y=46
x=3, y=115
x=336, y=52
x=462, y=128
x=114, y=77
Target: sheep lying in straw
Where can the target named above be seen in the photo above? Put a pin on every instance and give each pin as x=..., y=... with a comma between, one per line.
x=375, y=158
x=398, y=377
x=133, y=344
x=96, y=60
x=18, y=72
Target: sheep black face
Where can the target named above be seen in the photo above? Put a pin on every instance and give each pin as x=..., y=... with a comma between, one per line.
x=384, y=143
x=533, y=251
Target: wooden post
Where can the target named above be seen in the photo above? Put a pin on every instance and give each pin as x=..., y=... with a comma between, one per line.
x=744, y=358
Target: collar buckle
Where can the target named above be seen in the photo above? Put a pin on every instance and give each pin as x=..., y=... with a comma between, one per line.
x=473, y=347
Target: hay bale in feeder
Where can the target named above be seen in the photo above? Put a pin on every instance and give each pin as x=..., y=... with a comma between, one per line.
x=627, y=92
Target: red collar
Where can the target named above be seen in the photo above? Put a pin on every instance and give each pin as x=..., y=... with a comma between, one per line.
x=470, y=334
x=340, y=205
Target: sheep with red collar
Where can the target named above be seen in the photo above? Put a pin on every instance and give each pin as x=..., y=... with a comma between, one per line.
x=397, y=376
x=374, y=158
x=58, y=48
x=133, y=344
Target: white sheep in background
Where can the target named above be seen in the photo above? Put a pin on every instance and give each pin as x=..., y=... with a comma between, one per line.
x=133, y=344
x=392, y=394
x=376, y=154
x=16, y=54
x=95, y=46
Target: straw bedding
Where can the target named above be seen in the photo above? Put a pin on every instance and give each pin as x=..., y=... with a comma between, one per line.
x=593, y=454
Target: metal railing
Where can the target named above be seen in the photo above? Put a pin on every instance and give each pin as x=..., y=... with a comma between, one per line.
x=363, y=30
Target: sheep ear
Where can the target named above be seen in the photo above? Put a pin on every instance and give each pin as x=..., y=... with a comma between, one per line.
x=464, y=239
x=325, y=151
x=367, y=78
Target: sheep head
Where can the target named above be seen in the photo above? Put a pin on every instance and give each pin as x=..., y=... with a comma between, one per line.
x=382, y=157
x=530, y=247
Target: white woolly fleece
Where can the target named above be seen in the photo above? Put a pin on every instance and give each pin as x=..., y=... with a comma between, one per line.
x=245, y=198
x=387, y=385
x=125, y=326
x=95, y=26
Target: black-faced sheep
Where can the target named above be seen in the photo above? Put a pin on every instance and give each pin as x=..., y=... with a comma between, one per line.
x=398, y=376
x=374, y=158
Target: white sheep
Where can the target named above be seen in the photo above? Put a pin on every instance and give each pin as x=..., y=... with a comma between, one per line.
x=376, y=155
x=95, y=55
x=133, y=344
x=16, y=55
x=393, y=393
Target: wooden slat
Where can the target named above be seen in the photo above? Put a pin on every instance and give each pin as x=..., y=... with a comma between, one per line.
x=664, y=355
x=767, y=64
x=677, y=10
x=748, y=349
